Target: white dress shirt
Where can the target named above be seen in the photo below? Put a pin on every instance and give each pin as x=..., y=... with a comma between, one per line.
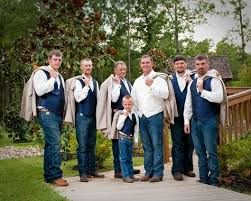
x=149, y=100
x=121, y=121
x=181, y=81
x=116, y=90
x=43, y=85
x=80, y=93
x=214, y=96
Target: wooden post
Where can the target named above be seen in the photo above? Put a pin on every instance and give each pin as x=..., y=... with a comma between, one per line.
x=166, y=151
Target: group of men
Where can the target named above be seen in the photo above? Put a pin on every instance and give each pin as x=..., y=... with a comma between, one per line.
x=197, y=98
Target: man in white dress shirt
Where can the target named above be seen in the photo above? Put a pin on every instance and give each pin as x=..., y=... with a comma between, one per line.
x=202, y=106
x=49, y=88
x=148, y=95
x=182, y=144
x=85, y=93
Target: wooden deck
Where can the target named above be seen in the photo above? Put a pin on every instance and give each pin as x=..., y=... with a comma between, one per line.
x=110, y=189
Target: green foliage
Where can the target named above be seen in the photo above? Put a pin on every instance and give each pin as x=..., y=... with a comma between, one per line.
x=225, y=48
x=241, y=27
x=244, y=76
x=160, y=60
x=16, y=172
x=17, y=19
x=71, y=26
x=192, y=48
x=103, y=149
x=235, y=157
x=69, y=145
x=17, y=128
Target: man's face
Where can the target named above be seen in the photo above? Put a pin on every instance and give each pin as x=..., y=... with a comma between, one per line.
x=55, y=62
x=201, y=66
x=120, y=71
x=180, y=66
x=127, y=104
x=86, y=67
x=146, y=65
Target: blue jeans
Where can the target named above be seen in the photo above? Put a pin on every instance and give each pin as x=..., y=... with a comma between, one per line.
x=151, y=130
x=115, y=152
x=204, y=134
x=51, y=125
x=86, y=138
x=125, y=151
x=182, y=147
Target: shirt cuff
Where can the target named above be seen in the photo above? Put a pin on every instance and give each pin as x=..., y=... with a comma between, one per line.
x=202, y=93
x=186, y=121
x=53, y=79
x=86, y=88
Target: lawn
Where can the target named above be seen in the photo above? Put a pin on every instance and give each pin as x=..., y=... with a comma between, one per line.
x=6, y=141
x=22, y=179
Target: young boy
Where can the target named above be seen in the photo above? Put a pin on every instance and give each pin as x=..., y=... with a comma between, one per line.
x=128, y=128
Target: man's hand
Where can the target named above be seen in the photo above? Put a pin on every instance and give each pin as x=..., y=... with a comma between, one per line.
x=53, y=73
x=125, y=113
x=200, y=85
x=87, y=82
x=187, y=128
x=116, y=80
x=149, y=82
x=188, y=79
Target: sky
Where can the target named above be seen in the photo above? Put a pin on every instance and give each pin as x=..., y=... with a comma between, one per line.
x=217, y=27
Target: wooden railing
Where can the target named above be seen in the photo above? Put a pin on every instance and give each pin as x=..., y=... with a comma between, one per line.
x=239, y=107
x=234, y=90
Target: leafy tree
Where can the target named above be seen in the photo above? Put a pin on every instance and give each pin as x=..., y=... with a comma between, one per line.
x=243, y=23
x=17, y=19
x=232, y=51
x=182, y=18
x=71, y=26
x=192, y=48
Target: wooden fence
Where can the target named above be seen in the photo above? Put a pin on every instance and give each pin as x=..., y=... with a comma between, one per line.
x=239, y=107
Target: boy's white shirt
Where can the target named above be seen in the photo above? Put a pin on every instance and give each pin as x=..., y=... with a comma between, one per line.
x=121, y=121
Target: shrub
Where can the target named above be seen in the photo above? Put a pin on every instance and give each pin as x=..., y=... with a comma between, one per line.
x=17, y=128
x=235, y=158
x=69, y=146
x=244, y=76
x=103, y=149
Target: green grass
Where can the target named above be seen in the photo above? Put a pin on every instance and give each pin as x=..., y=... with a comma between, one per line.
x=6, y=141
x=22, y=179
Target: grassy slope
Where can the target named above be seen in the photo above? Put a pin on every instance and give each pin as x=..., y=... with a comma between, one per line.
x=22, y=180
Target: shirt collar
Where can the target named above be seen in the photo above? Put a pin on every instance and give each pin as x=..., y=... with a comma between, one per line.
x=187, y=72
x=130, y=114
x=86, y=77
x=150, y=75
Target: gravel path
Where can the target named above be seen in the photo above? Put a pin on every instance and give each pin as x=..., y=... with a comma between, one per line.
x=19, y=152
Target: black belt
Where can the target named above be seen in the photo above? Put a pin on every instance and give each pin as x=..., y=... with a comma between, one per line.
x=125, y=136
x=43, y=110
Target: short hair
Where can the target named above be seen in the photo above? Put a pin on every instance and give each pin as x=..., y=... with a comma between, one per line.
x=146, y=56
x=56, y=53
x=201, y=57
x=85, y=59
x=127, y=97
x=179, y=58
x=119, y=63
